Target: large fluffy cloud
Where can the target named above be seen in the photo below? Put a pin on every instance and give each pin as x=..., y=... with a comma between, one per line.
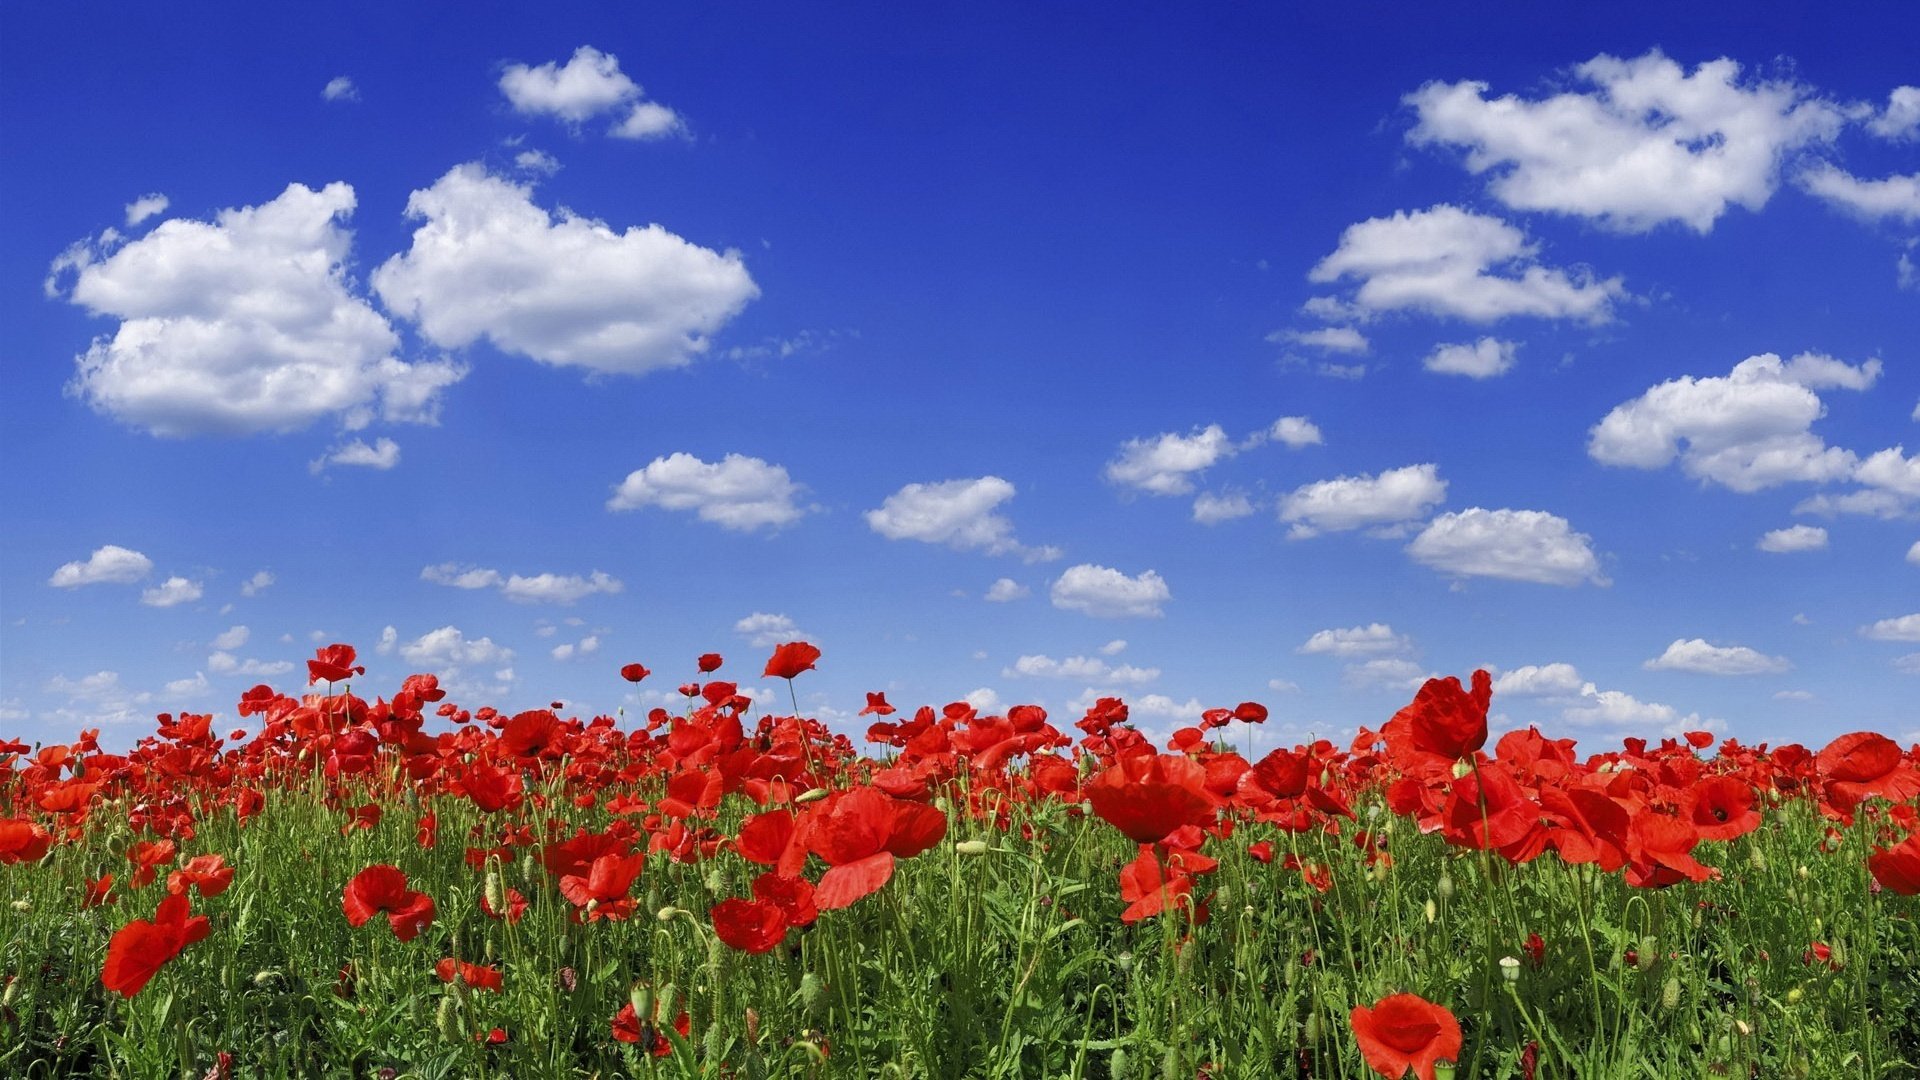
x=1449, y=261
x=1394, y=497
x=957, y=513
x=1896, y=198
x=560, y=288
x=1696, y=655
x=1166, y=464
x=1517, y=545
x=1648, y=143
x=736, y=492
x=1104, y=592
x=111, y=564
x=242, y=324
x=1746, y=430
x=587, y=85
x=1370, y=640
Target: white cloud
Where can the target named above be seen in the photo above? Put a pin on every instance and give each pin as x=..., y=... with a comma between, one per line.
x=1114, y=647
x=231, y=638
x=1901, y=118
x=459, y=577
x=1211, y=509
x=1450, y=262
x=243, y=325
x=1516, y=545
x=1386, y=672
x=765, y=630
x=225, y=663
x=389, y=640
x=1697, y=656
x=383, y=454
x=256, y=584
x=1796, y=538
x=737, y=492
x=1352, y=502
x=536, y=161
x=1088, y=668
x=1891, y=470
x=1482, y=359
x=1109, y=594
x=1295, y=432
x=1913, y=553
x=1539, y=680
x=111, y=564
x=1341, y=339
x=984, y=700
x=1620, y=710
x=174, y=590
x=97, y=699
x=563, y=289
x=340, y=88
x=146, y=206
x=1904, y=628
x=1163, y=707
x=1867, y=503
x=1372, y=639
x=1006, y=590
x=1747, y=430
x=589, y=84
x=957, y=513
x=1166, y=464
x=1648, y=144
x=558, y=588
x=448, y=648
x=188, y=688
x=587, y=646
x=1895, y=197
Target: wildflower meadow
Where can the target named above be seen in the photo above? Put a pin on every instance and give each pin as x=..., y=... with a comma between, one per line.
x=404, y=886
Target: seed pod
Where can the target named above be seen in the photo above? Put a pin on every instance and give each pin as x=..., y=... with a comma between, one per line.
x=812, y=993
x=1670, y=993
x=714, y=1042
x=1757, y=859
x=640, y=996
x=716, y=881
x=811, y=795
x=529, y=866
x=1311, y=1030
x=1510, y=968
x=1170, y=1064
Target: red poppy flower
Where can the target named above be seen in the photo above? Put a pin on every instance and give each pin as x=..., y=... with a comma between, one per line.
x=491, y=788
x=1861, y=764
x=709, y=662
x=98, y=892
x=860, y=834
x=208, y=873
x=1723, y=807
x=1447, y=720
x=627, y=1028
x=1149, y=796
x=382, y=888
x=1660, y=852
x=477, y=976
x=634, y=673
x=515, y=903
x=1250, y=712
x=793, y=895
x=876, y=705
x=532, y=734
x=1405, y=1031
x=1898, y=867
x=605, y=886
x=334, y=663
x=751, y=926
x=140, y=949
x=791, y=659
x=23, y=841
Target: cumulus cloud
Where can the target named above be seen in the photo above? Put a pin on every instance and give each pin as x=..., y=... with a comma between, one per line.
x=1107, y=593
x=448, y=647
x=1386, y=672
x=1621, y=711
x=1211, y=509
x=1451, y=262
x=1796, y=538
x=1698, y=656
x=1904, y=628
x=1087, y=668
x=957, y=513
x=560, y=288
x=765, y=630
x=1006, y=590
x=382, y=454
x=1515, y=545
x=1166, y=464
x=242, y=325
x=736, y=492
x=111, y=564
x=586, y=86
x=340, y=88
x=1482, y=359
x=1901, y=117
x=586, y=646
x=1394, y=497
x=174, y=590
x=1114, y=647
x=232, y=638
x=1295, y=432
x=536, y=161
x=1370, y=640
x=1913, y=553
x=256, y=584
x=1895, y=198
x=1648, y=143
x=1747, y=430
x=1341, y=339
x=545, y=588
x=146, y=206
x=1539, y=680
x=222, y=662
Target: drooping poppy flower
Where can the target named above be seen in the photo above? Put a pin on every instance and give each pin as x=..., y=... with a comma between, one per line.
x=1405, y=1031
x=383, y=889
x=634, y=672
x=1447, y=720
x=140, y=949
x=333, y=663
x=1149, y=796
x=478, y=976
x=791, y=659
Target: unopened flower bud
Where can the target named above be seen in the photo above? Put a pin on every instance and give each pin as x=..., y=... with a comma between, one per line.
x=23, y=906
x=1510, y=968
x=812, y=992
x=1649, y=952
x=811, y=795
x=971, y=847
x=1444, y=887
x=1670, y=993
x=266, y=978
x=495, y=892
x=446, y=1020
x=1795, y=996
x=1803, y=873
x=1433, y=910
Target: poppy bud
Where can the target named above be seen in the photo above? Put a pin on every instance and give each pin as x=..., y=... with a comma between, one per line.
x=1312, y=1028
x=1443, y=1070
x=446, y=1021
x=12, y=991
x=1839, y=958
x=1803, y=873
x=1670, y=993
x=665, y=1000
x=264, y=979
x=1445, y=886
x=529, y=868
x=812, y=992
x=1757, y=859
x=1169, y=1064
x=1649, y=952
x=1795, y=996
x=494, y=891
x=1117, y=1064
x=971, y=847
x=714, y=1042
x=811, y=795
x=1432, y=910
x=753, y=1026
x=1510, y=968
x=23, y=906
x=640, y=996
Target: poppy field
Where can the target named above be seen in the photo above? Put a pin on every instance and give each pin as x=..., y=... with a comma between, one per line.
x=404, y=886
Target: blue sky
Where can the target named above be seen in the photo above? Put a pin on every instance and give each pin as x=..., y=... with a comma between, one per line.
x=1008, y=354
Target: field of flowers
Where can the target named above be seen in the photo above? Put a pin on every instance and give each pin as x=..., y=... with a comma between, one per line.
x=717, y=893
